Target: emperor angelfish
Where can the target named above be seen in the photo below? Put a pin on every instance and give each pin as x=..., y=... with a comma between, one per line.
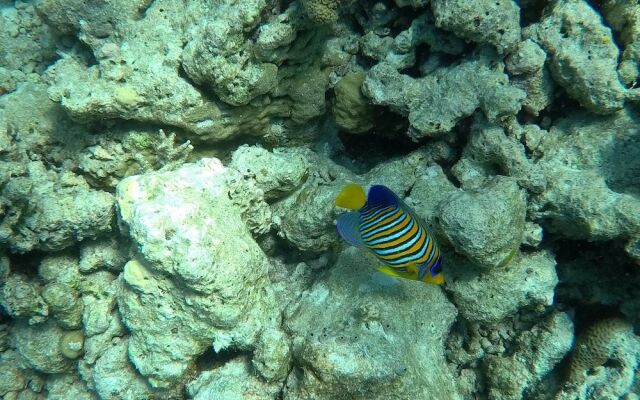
x=382, y=223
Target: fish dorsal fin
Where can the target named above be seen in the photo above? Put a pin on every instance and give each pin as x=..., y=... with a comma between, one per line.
x=381, y=196
x=349, y=228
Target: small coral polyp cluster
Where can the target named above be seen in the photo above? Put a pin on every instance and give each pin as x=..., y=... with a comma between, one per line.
x=168, y=175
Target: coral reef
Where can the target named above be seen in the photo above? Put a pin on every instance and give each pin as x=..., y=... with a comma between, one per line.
x=168, y=174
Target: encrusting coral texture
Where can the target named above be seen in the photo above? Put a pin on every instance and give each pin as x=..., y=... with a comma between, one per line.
x=168, y=182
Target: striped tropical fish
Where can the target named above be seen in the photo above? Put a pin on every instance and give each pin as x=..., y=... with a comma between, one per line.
x=385, y=225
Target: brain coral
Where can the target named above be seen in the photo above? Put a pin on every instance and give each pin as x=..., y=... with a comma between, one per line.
x=321, y=11
x=597, y=344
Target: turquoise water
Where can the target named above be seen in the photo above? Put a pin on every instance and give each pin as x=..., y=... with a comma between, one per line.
x=172, y=173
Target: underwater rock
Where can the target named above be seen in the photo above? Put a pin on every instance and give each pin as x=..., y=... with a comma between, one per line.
x=277, y=173
x=591, y=165
x=33, y=127
x=536, y=352
x=624, y=18
x=430, y=189
x=400, y=51
x=270, y=99
x=5, y=267
x=582, y=55
x=67, y=386
x=26, y=47
x=120, y=154
x=321, y=12
x=272, y=357
x=352, y=111
x=528, y=280
x=526, y=66
x=198, y=270
x=491, y=151
x=218, y=55
x=101, y=254
x=94, y=20
x=527, y=58
x=103, y=330
x=52, y=211
x=12, y=375
x=604, y=362
x=115, y=378
x=359, y=334
x=486, y=21
x=249, y=199
x=39, y=344
x=436, y=102
x=61, y=291
x=306, y=219
x=64, y=304
x=232, y=381
x=118, y=86
x=20, y=297
x=98, y=305
x=4, y=337
x=485, y=224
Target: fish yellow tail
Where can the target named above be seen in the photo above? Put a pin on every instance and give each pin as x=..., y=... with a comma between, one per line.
x=438, y=279
x=352, y=197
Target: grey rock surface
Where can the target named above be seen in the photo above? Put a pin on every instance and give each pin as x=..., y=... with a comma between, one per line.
x=353, y=342
x=486, y=225
x=624, y=18
x=509, y=127
x=493, y=22
x=212, y=57
x=591, y=166
x=21, y=297
x=527, y=281
x=192, y=243
x=493, y=150
x=277, y=173
x=536, y=353
x=436, y=102
x=582, y=55
x=39, y=344
x=232, y=381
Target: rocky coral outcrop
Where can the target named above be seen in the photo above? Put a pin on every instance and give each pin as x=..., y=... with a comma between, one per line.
x=528, y=280
x=535, y=353
x=436, y=102
x=27, y=46
x=191, y=242
x=493, y=22
x=361, y=335
x=583, y=56
x=624, y=18
x=486, y=224
x=591, y=166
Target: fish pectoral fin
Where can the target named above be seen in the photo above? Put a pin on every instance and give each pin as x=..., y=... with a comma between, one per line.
x=412, y=268
x=388, y=271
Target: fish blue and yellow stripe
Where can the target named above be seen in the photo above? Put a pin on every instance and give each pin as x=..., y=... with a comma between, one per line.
x=383, y=224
